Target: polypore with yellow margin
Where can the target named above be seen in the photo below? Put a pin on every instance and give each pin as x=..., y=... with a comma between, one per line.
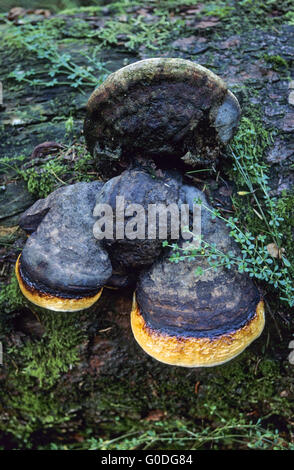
x=184, y=319
x=169, y=113
x=192, y=351
x=62, y=266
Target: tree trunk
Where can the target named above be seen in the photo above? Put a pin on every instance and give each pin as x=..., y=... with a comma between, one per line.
x=67, y=377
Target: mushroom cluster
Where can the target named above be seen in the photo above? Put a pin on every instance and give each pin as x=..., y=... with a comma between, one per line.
x=145, y=125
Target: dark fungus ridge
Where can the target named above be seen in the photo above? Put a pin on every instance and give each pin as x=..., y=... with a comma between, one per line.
x=202, y=308
x=64, y=268
x=189, y=320
x=166, y=109
x=62, y=255
x=175, y=301
x=139, y=187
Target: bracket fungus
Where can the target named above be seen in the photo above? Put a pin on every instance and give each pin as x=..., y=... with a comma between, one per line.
x=156, y=113
x=166, y=109
x=62, y=267
x=136, y=244
x=193, y=321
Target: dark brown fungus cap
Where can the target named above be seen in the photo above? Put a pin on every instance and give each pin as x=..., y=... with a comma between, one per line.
x=196, y=321
x=62, y=266
x=164, y=108
x=138, y=187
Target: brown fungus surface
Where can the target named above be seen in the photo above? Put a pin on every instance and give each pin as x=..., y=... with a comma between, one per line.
x=138, y=190
x=194, y=321
x=161, y=108
x=62, y=266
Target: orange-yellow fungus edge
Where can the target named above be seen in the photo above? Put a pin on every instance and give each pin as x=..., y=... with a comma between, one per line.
x=195, y=352
x=52, y=302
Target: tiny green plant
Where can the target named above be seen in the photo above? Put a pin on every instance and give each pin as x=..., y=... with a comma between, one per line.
x=69, y=125
x=138, y=31
x=42, y=180
x=277, y=62
x=73, y=164
x=59, y=68
x=255, y=257
x=171, y=434
x=59, y=171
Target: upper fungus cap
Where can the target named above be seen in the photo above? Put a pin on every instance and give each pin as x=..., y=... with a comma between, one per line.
x=197, y=321
x=62, y=266
x=163, y=107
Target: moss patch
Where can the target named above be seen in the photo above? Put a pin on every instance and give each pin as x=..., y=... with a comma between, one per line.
x=54, y=394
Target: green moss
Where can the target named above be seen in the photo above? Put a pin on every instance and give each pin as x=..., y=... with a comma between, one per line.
x=232, y=406
x=10, y=296
x=137, y=31
x=36, y=366
x=42, y=180
x=230, y=398
x=252, y=139
x=55, y=353
x=277, y=62
x=32, y=411
x=44, y=177
x=248, y=14
x=289, y=17
x=220, y=9
x=243, y=384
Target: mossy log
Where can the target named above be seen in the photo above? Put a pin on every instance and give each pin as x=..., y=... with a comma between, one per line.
x=66, y=373
x=68, y=376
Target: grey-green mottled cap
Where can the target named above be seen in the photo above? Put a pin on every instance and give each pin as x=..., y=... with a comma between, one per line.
x=163, y=108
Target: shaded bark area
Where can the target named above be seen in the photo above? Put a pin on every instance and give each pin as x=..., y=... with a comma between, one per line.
x=66, y=375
